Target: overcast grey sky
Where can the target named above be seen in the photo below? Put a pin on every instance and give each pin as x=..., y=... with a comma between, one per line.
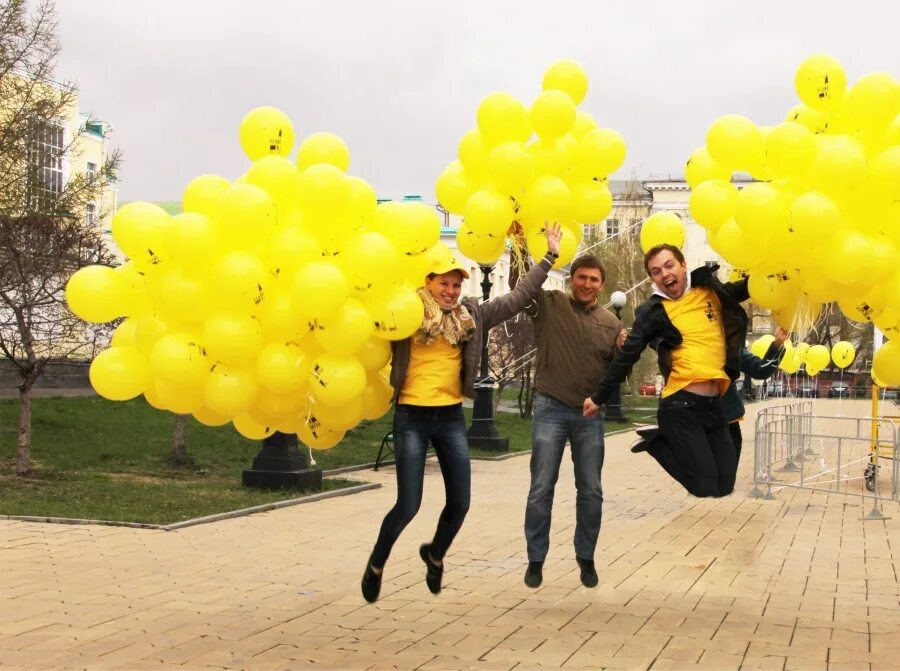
x=400, y=81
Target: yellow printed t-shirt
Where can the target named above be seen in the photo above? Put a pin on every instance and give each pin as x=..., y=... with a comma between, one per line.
x=434, y=374
x=698, y=317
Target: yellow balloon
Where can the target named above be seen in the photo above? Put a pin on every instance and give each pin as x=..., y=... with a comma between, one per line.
x=396, y=314
x=874, y=101
x=883, y=174
x=313, y=434
x=547, y=199
x=886, y=364
x=838, y=167
x=377, y=396
x=335, y=379
x=324, y=190
x=501, y=118
x=178, y=297
x=790, y=149
x=201, y=193
x=341, y=418
x=178, y=398
x=736, y=143
x=483, y=249
x=232, y=338
x=250, y=428
x=713, y=202
x=600, y=152
x=552, y=114
x=791, y=362
x=591, y=201
x=489, y=213
x=412, y=227
x=567, y=76
x=537, y=246
x=125, y=334
x=374, y=354
x=120, y=373
x=96, y=294
x=282, y=368
x=370, y=262
x=347, y=330
x=773, y=290
x=584, y=124
x=179, y=359
x=761, y=345
x=813, y=215
x=265, y=131
x=320, y=289
x=821, y=82
x=798, y=316
x=554, y=157
x=245, y=214
x=209, y=418
x=735, y=245
x=862, y=308
x=662, y=228
x=850, y=254
x=279, y=178
x=229, y=390
x=755, y=208
x=842, y=354
x=473, y=156
x=511, y=167
x=817, y=358
x=453, y=188
x=323, y=148
x=192, y=240
x=700, y=167
x=139, y=230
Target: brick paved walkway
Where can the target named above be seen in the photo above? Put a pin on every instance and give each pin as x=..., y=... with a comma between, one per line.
x=737, y=583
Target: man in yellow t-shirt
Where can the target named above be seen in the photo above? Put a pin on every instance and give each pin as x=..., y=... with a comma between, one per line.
x=698, y=328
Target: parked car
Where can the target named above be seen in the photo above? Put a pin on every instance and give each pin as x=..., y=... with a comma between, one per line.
x=839, y=389
x=648, y=389
x=807, y=390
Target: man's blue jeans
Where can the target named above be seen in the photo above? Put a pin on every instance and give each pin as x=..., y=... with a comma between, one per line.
x=414, y=427
x=554, y=423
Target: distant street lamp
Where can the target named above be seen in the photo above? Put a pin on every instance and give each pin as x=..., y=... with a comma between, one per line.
x=482, y=433
x=614, y=413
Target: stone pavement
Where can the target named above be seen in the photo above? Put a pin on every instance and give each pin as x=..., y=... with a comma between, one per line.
x=736, y=583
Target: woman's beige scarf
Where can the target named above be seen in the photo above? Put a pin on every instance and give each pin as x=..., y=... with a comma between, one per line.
x=455, y=324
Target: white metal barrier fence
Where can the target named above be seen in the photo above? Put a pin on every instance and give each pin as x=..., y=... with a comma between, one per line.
x=796, y=448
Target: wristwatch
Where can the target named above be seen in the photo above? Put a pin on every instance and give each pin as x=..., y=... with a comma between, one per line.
x=552, y=254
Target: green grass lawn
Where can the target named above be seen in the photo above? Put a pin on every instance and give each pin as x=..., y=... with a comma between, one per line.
x=95, y=459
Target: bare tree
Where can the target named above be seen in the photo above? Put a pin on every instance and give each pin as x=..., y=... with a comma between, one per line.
x=47, y=223
x=512, y=352
x=179, y=456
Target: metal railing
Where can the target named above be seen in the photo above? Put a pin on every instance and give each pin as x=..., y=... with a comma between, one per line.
x=795, y=448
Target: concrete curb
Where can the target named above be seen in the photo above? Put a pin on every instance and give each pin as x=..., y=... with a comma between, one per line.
x=274, y=505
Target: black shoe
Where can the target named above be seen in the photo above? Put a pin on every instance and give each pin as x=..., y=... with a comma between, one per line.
x=371, y=583
x=640, y=445
x=534, y=574
x=588, y=572
x=647, y=432
x=435, y=571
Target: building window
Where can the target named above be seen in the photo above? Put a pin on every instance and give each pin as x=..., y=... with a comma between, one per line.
x=612, y=227
x=587, y=230
x=90, y=214
x=91, y=171
x=45, y=159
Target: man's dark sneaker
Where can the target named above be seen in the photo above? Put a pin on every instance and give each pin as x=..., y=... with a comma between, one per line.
x=588, y=572
x=640, y=445
x=534, y=574
x=371, y=583
x=435, y=571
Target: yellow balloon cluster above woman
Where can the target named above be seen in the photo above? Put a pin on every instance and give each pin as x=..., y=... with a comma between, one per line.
x=532, y=165
x=270, y=302
x=821, y=221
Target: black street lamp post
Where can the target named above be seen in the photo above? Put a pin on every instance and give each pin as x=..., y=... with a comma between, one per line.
x=482, y=433
x=614, y=404
x=280, y=465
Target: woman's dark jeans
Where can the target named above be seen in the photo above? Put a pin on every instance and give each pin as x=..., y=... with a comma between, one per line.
x=414, y=427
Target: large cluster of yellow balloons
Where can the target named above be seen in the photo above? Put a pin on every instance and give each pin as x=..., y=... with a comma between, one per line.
x=506, y=175
x=815, y=357
x=270, y=302
x=821, y=221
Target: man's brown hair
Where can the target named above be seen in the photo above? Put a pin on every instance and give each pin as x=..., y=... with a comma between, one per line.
x=656, y=249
